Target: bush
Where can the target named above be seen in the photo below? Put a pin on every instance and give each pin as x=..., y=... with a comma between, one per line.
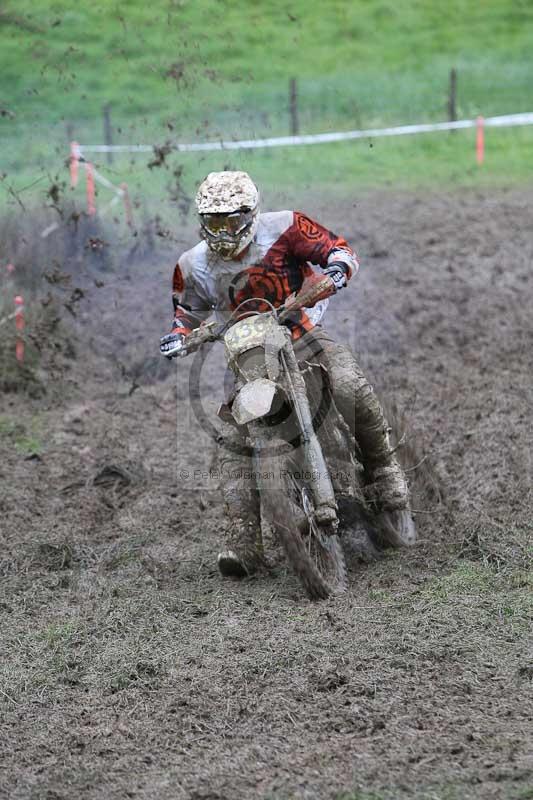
x=44, y=273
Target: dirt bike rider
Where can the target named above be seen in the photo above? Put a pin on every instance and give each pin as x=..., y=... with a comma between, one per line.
x=245, y=253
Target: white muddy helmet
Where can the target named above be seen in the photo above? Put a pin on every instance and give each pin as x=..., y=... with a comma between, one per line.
x=228, y=207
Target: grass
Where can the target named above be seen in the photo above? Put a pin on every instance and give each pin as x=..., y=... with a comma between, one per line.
x=29, y=445
x=448, y=792
x=502, y=596
x=196, y=71
x=58, y=635
x=143, y=59
x=432, y=792
x=524, y=794
x=467, y=579
x=26, y=440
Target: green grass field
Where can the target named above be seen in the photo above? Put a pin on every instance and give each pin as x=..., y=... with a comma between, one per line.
x=193, y=71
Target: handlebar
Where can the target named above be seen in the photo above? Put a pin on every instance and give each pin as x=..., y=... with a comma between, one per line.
x=314, y=288
x=209, y=332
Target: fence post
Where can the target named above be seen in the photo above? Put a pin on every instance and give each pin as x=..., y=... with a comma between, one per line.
x=452, y=96
x=127, y=204
x=108, y=132
x=293, y=107
x=480, y=140
x=91, y=195
x=19, y=324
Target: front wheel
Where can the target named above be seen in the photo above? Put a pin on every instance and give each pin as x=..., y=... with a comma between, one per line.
x=315, y=555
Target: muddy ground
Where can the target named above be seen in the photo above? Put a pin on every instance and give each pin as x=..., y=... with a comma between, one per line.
x=130, y=669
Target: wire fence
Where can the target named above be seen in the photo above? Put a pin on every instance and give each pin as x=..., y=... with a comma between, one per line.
x=343, y=101
x=345, y=105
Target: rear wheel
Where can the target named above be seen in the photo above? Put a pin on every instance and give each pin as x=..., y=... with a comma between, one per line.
x=314, y=553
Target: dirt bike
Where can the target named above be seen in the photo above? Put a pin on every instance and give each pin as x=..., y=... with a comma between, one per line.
x=304, y=456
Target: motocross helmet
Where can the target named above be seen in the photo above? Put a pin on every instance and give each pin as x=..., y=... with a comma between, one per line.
x=228, y=207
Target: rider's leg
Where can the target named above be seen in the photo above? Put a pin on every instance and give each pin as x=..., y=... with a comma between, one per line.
x=242, y=551
x=362, y=411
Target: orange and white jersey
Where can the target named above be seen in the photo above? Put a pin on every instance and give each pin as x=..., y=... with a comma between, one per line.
x=273, y=267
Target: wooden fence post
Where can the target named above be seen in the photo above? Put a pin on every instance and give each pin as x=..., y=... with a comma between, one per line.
x=19, y=324
x=108, y=132
x=452, y=96
x=127, y=204
x=293, y=107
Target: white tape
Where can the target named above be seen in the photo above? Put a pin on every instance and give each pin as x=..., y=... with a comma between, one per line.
x=110, y=205
x=50, y=229
x=507, y=120
x=9, y=316
x=105, y=182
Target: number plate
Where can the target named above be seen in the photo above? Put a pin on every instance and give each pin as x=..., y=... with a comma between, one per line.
x=248, y=333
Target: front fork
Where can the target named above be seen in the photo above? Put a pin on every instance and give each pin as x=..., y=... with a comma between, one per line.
x=314, y=463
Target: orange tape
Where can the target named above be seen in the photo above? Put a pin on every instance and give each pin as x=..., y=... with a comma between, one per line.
x=480, y=140
x=74, y=163
x=91, y=194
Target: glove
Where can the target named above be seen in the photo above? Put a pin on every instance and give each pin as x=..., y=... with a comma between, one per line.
x=172, y=345
x=337, y=271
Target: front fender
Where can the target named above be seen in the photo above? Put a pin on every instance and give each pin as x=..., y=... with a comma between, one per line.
x=253, y=401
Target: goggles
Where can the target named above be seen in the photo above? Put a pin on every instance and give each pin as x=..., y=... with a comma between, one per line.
x=232, y=224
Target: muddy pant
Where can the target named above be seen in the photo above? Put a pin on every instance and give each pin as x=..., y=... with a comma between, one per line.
x=355, y=400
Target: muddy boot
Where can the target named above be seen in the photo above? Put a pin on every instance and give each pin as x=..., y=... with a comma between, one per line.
x=388, y=493
x=386, y=485
x=242, y=553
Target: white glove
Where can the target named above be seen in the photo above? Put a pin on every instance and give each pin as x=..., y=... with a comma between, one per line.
x=172, y=345
x=337, y=272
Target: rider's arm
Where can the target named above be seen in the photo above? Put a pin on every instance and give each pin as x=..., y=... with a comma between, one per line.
x=310, y=241
x=190, y=307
